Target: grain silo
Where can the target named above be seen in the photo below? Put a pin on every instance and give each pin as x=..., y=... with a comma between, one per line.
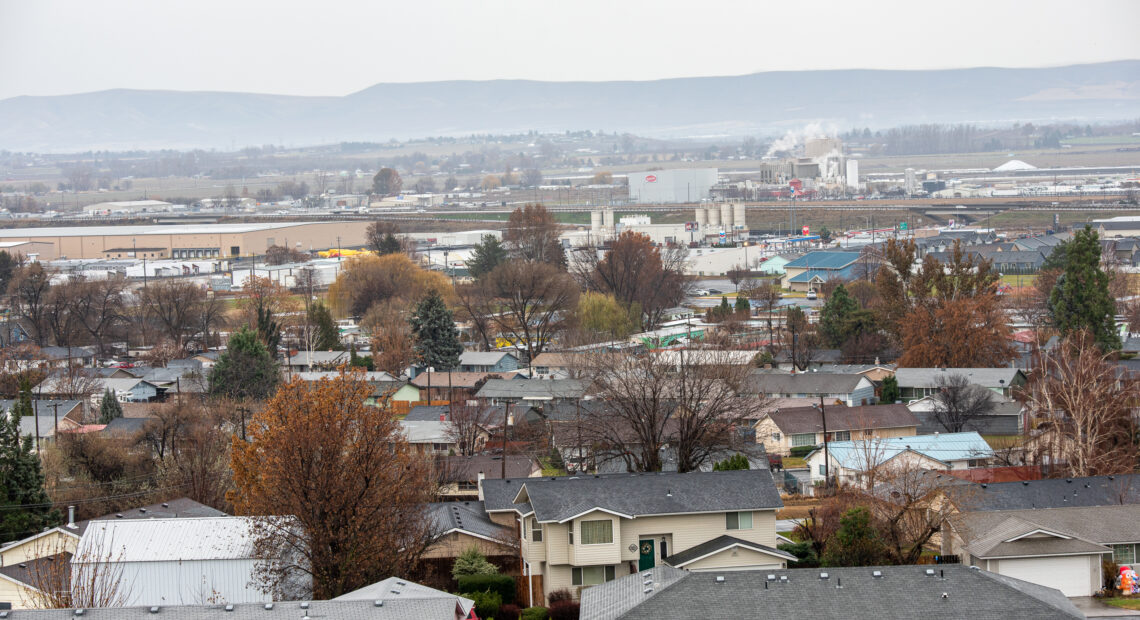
x=738, y=219
x=608, y=219
x=714, y=217
x=726, y=215
x=702, y=218
x=595, y=222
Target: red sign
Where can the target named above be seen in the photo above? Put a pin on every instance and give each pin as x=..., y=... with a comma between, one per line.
x=650, y=178
x=806, y=230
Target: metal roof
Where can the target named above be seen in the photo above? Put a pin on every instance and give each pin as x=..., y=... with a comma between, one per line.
x=162, y=540
x=943, y=447
x=391, y=608
x=823, y=260
x=121, y=231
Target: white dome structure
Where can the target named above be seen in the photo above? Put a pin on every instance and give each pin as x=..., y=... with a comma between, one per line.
x=1014, y=164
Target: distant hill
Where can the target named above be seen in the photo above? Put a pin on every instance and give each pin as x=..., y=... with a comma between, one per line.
x=686, y=107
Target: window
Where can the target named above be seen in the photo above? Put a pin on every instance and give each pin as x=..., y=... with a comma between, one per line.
x=775, y=436
x=535, y=530
x=842, y=436
x=570, y=531
x=738, y=520
x=235, y=250
x=803, y=439
x=439, y=447
x=591, y=575
x=597, y=532
x=1124, y=554
x=822, y=470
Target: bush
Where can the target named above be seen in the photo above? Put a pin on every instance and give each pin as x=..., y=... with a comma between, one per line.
x=535, y=613
x=508, y=612
x=558, y=596
x=564, y=610
x=802, y=550
x=487, y=604
x=503, y=585
x=800, y=451
x=472, y=562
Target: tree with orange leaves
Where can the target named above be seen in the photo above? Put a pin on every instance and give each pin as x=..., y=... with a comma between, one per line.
x=338, y=493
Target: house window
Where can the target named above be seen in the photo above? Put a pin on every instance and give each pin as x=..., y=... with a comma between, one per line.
x=803, y=439
x=841, y=436
x=591, y=575
x=775, y=436
x=738, y=520
x=822, y=470
x=439, y=447
x=1124, y=554
x=535, y=530
x=599, y=532
x=570, y=531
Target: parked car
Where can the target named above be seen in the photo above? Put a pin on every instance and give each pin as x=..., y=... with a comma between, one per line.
x=811, y=294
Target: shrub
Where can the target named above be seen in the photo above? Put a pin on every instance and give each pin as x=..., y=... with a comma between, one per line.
x=503, y=585
x=487, y=604
x=472, y=562
x=558, y=596
x=802, y=550
x=508, y=612
x=800, y=451
x=535, y=613
x=564, y=610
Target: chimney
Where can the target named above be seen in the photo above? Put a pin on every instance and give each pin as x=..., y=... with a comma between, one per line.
x=479, y=478
x=71, y=518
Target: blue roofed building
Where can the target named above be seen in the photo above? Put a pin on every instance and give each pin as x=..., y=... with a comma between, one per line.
x=850, y=460
x=811, y=270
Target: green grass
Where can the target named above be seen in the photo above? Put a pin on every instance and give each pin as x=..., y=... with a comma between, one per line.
x=794, y=461
x=1016, y=280
x=1122, y=602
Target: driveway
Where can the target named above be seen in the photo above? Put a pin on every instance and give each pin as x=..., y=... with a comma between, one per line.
x=1093, y=608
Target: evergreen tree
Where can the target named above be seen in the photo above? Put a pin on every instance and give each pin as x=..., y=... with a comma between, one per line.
x=109, y=408
x=725, y=308
x=890, y=392
x=246, y=370
x=742, y=306
x=327, y=336
x=834, y=319
x=472, y=562
x=856, y=542
x=268, y=331
x=436, y=339
x=486, y=256
x=736, y=461
x=390, y=245
x=25, y=507
x=1081, y=300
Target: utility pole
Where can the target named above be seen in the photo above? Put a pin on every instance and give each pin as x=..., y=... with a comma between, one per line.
x=826, y=457
x=506, y=420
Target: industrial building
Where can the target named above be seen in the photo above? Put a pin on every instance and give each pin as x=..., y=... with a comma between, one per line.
x=671, y=186
x=128, y=207
x=187, y=241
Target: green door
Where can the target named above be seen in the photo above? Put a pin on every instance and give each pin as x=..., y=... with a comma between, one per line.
x=645, y=561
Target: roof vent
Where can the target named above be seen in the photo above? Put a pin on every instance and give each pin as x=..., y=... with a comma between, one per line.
x=720, y=578
x=401, y=583
x=1069, y=480
x=119, y=515
x=648, y=582
x=771, y=577
x=230, y=607
x=1024, y=483
x=142, y=510
x=945, y=596
x=165, y=505
x=1112, y=477
x=22, y=565
x=824, y=575
x=930, y=572
x=985, y=486
x=80, y=611
x=304, y=604
x=378, y=603
x=268, y=606
x=877, y=574
x=647, y=591
x=647, y=574
x=669, y=493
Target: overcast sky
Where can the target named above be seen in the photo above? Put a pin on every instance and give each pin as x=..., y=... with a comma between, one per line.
x=50, y=47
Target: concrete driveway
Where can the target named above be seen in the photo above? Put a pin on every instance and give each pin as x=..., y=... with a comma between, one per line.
x=1093, y=608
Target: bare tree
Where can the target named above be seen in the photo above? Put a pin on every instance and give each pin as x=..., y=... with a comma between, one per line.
x=799, y=341
x=534, y=300
x=92, y=578
x=768, y=297
x=181, y=311
x=960, y=405
x=468, y=424
x=473, y=306
x=101, y=309
x=29, y=289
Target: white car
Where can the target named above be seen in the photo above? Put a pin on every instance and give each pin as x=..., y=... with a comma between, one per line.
x=811, y=295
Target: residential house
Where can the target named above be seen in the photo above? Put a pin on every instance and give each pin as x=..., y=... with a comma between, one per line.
x=316, y=360
x=566, y=364
x=581, y=531
x=486, y=362
x=850, y=390
x=432, y=437
x=460, y=525
x=847, y=462
x=461, y=474
x=207, y=358
x=501, y=391
x=383, y=384
x=1006, y=418
x=793, y=427
x=125, y=390
x=875, y=372
x=701, y=357
x=64, y=357
x=176, y=561
x=12, y=332
x=63, y=539
x=811, y=270
x=451, y=386
x=948, y=592
x=412, y=600
x=915, y=383
x=1058, y=548
x=1115, y=228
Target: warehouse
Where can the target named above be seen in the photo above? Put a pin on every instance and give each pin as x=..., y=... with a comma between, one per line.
x=188, y=241
x=671, y=186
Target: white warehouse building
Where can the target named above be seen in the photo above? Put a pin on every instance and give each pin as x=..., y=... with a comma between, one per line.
x=671, y=186
x=194, y=561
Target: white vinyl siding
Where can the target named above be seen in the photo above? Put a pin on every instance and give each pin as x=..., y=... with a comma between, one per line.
x=535, y=530
x=597, y=532
x=738, y=520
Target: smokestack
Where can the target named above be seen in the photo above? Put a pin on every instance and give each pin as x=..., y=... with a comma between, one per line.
x=71, y=518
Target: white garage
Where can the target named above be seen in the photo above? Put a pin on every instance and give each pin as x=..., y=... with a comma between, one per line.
x=1073, y=575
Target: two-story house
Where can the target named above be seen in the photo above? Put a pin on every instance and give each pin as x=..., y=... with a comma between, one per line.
x=793, y=427
x=579, y=531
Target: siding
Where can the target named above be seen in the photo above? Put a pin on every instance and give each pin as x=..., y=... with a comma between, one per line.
x=15, y=594
x=192, y=582
x=744, y=558
x=592, y=555
x=44, y=546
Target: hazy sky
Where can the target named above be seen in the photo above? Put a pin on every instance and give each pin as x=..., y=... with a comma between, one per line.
x=52, y=47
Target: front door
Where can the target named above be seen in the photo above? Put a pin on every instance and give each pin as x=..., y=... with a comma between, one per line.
x=645, y=561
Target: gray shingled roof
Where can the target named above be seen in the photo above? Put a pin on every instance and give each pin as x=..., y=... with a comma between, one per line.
x=903, y=592
x=1056, y=493
x=402, y=589
x=721, y=543
x=760, y=382
x=634, y=495
x=532, y=388
x=793, y=420
x=468, y=517
x=986, y=533
x=928, y=377
x=391, y=609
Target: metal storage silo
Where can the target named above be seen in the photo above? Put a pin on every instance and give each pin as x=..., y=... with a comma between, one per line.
x=738, y=219
x=595, y=222
x=702, y=218
x=726, y=215
x=714, y=217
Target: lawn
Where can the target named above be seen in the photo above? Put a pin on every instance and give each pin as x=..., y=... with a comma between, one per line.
x=794, y=461
x=1119, y=601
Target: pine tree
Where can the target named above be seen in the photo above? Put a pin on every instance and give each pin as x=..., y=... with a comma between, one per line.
x=246, y=370
x=486, y=256
x=736, y=461
x=834, y=319
x=742, y=306
x=390, y=245
x=890, y=392
x=327, y=337
x=1081, y=300
x=436, y=339
x=109, y=408
x=25, y=507
x=268, y=331
x=856, y=542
